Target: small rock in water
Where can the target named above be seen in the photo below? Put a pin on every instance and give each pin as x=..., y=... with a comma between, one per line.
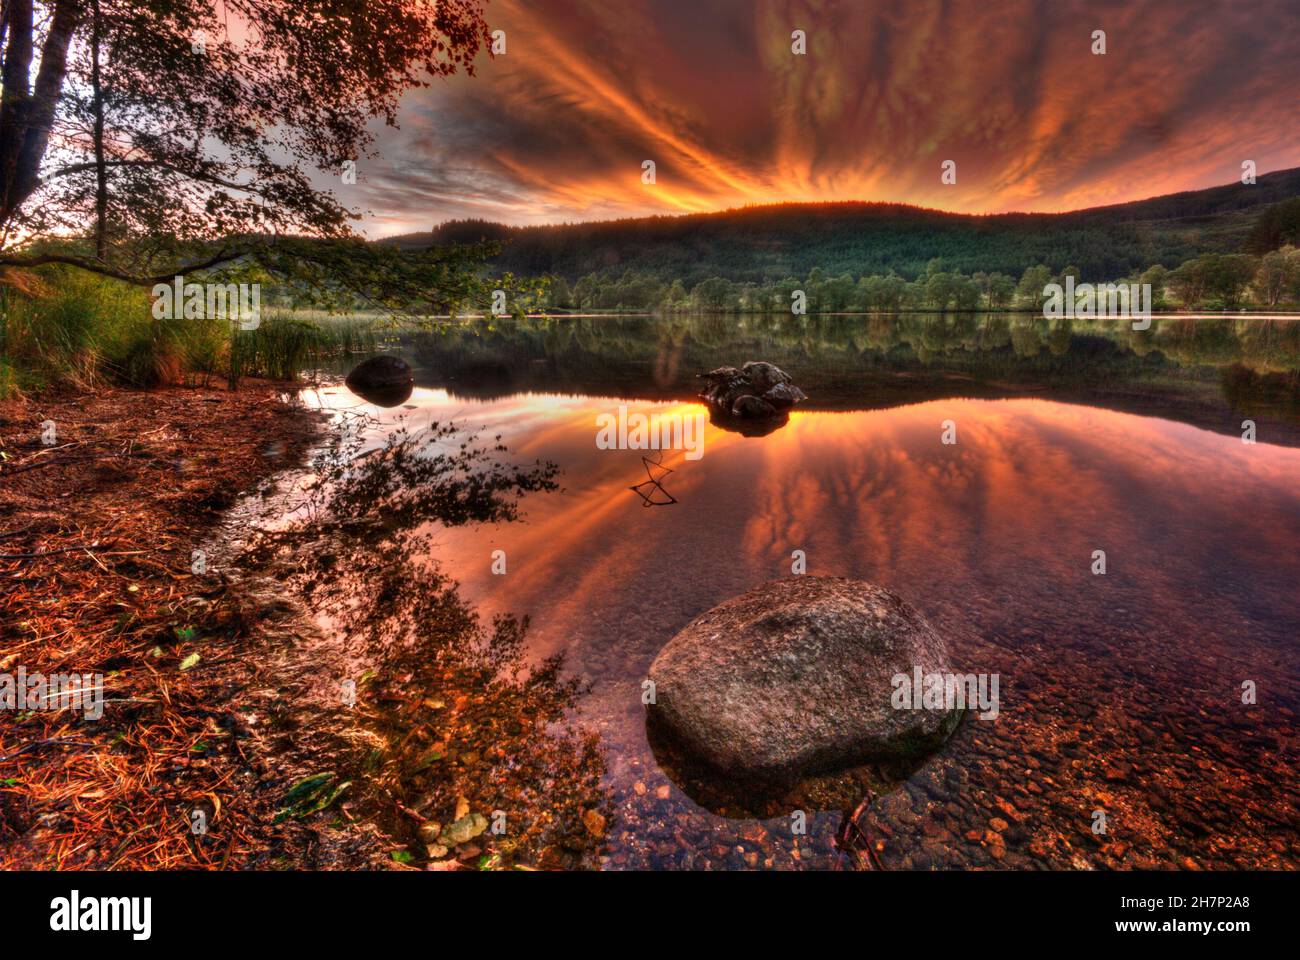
x=464, y=830
x=757, y=391
x=796, y=677
x=384, y=381
x=594, y=822
x=429, y=831
x=382, y=371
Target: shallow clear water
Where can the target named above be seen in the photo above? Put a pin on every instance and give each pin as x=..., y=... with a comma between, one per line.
x=1119, y=692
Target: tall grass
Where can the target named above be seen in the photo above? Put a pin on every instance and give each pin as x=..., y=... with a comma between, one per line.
x=8, y=378
x=64, y=327
x=284, y=345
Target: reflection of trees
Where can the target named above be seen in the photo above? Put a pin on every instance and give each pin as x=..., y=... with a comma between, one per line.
x=1252, y=394
x=632, y=355
x=1213, y=341
x=712, y=329
x=1058, y=338
x=1261, y=344
x=1270, y=345
x=1258, y=344
x=1025, y=338
x=882, y=331
x=994, y=333
x=937, y=335
x=457, y=709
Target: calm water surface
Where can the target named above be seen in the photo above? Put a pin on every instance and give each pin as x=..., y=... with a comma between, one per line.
x=1119, y=692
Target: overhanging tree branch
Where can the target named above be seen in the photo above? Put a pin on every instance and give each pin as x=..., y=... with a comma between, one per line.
x=202, y=175
x=105, y=270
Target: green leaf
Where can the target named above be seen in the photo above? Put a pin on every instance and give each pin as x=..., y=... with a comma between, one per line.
x=309, y=795
x=428, y=761
x=307, y=787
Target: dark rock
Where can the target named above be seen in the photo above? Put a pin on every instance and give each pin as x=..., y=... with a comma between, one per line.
x=784, y=395
x=752, y=408
x=382, y=371
x=795, y=677
x=762, y=376
x=384, y=381
x=757, y=391
x=721, y=374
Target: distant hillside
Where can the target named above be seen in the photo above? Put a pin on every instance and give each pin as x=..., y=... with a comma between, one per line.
x=772, y=242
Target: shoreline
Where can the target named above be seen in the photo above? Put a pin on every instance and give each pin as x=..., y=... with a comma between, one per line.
x=100, y=538
x=223, y=741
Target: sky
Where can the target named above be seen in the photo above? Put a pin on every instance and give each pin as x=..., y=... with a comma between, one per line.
x=558, y=127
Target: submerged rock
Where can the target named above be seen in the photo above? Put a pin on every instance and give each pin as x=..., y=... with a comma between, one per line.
x=429, y=831
x=757, y=391
x=594, y=822
x=795, y=677
x=463, y=829
x=384, y=381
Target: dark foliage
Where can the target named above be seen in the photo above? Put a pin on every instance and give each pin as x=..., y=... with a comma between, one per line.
x=772, y=242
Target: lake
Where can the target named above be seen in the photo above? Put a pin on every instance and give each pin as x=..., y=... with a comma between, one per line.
x=1121, y=692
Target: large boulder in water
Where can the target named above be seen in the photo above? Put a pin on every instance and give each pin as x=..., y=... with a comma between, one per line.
x=795, y=677
x=384, y=381
x=757, y=391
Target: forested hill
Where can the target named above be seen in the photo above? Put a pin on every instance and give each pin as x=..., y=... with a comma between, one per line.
x=771, y=242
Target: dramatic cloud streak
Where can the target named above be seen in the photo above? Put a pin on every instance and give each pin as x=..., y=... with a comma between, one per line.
x=557, y=129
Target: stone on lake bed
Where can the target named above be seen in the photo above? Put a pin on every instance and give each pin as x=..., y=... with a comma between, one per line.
x=594, y=822
x=796, y=677
x=464, y=829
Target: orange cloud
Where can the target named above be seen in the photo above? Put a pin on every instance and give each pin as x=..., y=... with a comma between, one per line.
x=558, y=127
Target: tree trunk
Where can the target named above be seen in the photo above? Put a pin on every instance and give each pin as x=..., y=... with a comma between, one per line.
x=27, y=118
x=101, y=171
x=13, y=108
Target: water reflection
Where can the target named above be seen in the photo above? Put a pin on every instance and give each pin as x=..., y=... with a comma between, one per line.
x=457, y=721
x=1120, y=691
x=386, y=396
x=856, y=362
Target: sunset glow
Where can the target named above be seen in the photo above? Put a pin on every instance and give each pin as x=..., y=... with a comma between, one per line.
x=557, y=128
